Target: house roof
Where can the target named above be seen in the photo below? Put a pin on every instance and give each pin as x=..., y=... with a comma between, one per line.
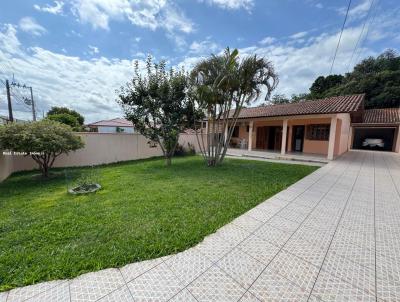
x=382, y=116
x=337, y=104
x=116, y=122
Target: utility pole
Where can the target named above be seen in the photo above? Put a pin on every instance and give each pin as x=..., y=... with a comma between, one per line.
x=33, y=106
x=10, y=113
x=26, y=100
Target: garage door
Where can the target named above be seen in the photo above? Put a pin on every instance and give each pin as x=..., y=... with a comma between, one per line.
x=374, y=138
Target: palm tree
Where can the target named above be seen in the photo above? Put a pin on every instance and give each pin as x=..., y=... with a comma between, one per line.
x=221, y=85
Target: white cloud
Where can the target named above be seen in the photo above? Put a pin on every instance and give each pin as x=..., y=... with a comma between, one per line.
x=93, y=50
x=61, y=80
x=267, y=41
x=150, y=14
x=204, y=47
x=57, y=9
x=89, y=85
x=357, y=12
x=299, y=35
x=29, y=25
x=232, y=4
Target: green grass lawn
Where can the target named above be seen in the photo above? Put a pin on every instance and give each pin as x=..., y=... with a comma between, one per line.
x=145, y=210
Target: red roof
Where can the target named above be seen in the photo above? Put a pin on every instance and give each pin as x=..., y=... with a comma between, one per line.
x=382, y=116
x=116, y=122
x=337, y=104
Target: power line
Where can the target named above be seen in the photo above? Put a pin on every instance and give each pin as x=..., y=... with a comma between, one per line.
x=366, y=34
x=361, y=34
x=340, y=37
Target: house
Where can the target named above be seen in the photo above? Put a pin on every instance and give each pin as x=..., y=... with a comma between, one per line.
x=328, y=127
x=116, y=125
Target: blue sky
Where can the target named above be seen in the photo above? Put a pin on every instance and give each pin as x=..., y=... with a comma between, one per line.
x=76, y=53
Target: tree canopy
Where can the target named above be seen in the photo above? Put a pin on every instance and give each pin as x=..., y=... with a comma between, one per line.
x=63, y=111
x=157, y=105
x=377, y=77
x=43, y=141
x=221, y=86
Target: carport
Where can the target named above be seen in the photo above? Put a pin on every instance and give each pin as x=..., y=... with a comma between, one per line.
x=379, y=130
x=374, y=138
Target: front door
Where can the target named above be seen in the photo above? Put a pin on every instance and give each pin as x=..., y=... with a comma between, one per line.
x=298, y=138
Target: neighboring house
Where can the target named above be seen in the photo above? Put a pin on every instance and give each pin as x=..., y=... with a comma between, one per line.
x=329, y=127
x=116, y=125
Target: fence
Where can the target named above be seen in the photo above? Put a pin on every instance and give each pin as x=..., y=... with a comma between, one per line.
x=100, y=148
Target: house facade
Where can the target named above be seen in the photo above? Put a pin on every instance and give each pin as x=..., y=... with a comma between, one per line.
x=116, y=125
x=328, y=127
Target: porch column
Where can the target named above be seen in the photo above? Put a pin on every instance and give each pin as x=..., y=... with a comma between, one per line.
x=249, y=147
x=284, y=137
x=332, y=136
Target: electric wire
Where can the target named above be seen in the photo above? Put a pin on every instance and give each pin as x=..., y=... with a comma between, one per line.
x=340, y=37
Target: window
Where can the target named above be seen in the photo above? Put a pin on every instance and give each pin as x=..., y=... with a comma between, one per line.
x=247, y=128
x=318, y=132
x=235, y=132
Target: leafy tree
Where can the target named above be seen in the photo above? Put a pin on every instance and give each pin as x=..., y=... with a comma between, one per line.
x=378, y=78
x=278, y=99
x=66, y=119
x=322, y=84
x=43, y=141
x=221, y=85
x=157, y=105
x=65, y=110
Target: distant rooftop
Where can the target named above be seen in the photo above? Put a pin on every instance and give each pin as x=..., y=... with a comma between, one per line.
x=116, y=122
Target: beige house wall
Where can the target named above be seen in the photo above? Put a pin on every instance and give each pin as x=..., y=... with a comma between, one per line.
x=342, y=134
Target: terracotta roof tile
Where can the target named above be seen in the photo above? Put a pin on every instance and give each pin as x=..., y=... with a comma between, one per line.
x=382, y=116
x=337, y=104
x=116, y=122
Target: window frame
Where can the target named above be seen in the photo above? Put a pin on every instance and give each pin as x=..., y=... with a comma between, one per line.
x=318, y=132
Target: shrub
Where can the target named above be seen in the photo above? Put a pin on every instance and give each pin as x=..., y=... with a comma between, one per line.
x=44, y=141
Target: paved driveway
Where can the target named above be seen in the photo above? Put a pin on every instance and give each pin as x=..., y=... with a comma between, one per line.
x=333, y=236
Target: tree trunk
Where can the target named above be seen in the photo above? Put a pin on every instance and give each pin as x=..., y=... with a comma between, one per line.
x=45, y=170
x=168, y=161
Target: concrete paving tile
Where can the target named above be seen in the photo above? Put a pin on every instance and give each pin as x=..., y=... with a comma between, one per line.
x=188, y=265
x=216, y=286
x=272, y=287
x=121, y=294
x=259, y=249
x=352, y=252
x=59, y=293
x=293, y=268
x=307, y=251
x=157, y=284
x=232, y=233
x=241, y=267
x=93, y=286
x=134, y=270
x=183, y=296
x=247, y=222
x=24, y=293
x=260, y=214
x=351, y=272
x=249, y=297
x=329, y=288
x=273, y=235
x=3, y=296
x=283, y=224
x=214, y=247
